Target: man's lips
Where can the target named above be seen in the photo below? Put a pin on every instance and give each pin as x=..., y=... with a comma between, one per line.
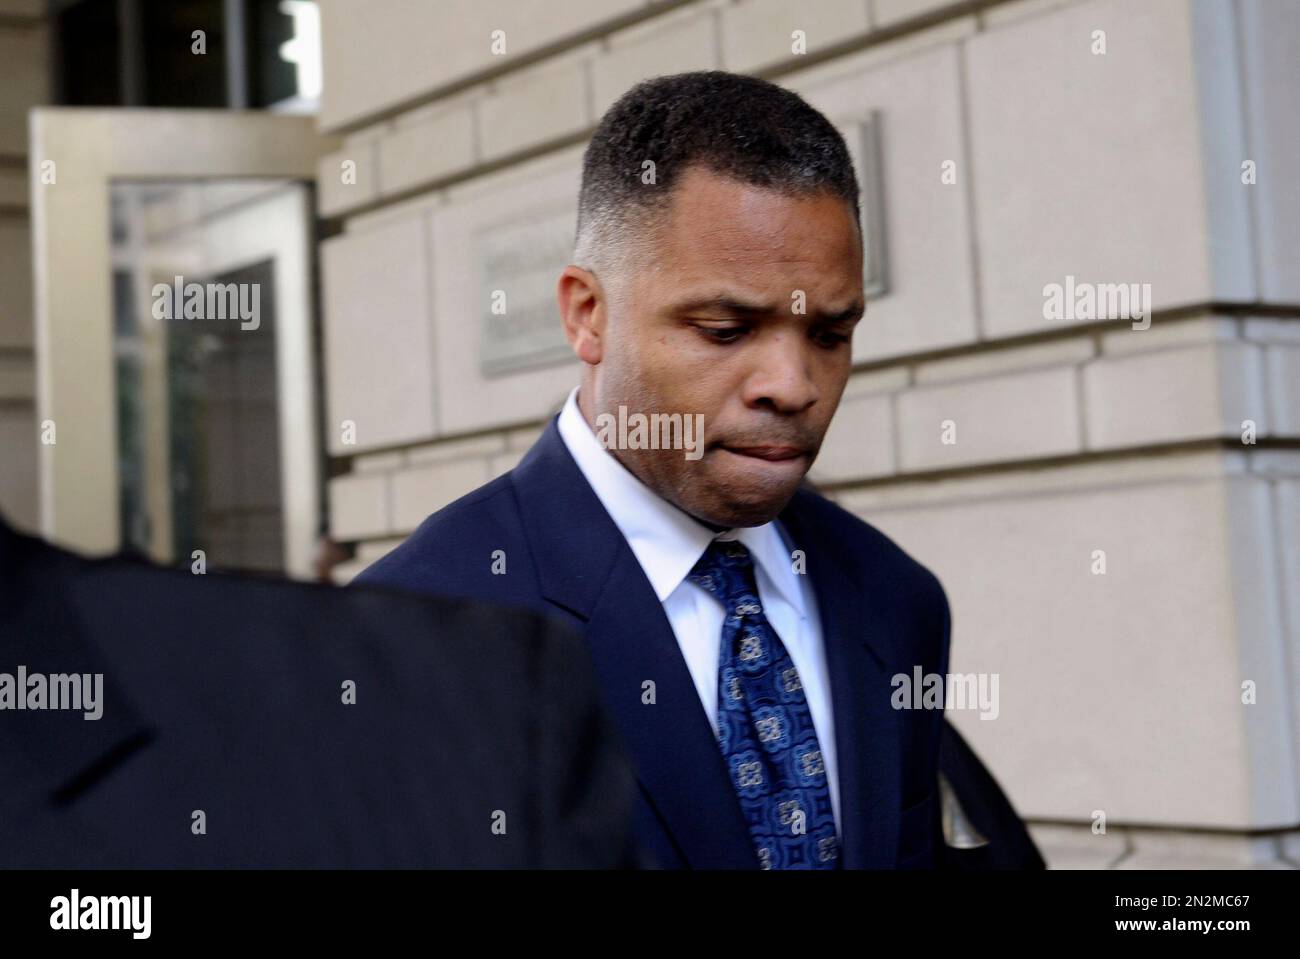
x=774, y=454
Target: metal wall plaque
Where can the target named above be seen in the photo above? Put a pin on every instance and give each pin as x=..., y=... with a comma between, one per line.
x=519, y=263
x=862, y=136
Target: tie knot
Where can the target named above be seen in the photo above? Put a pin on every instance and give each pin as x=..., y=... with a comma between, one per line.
x=726, y=570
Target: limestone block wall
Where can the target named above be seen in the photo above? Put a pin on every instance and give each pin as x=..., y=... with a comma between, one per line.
x=24, y=83
x=1113, y=503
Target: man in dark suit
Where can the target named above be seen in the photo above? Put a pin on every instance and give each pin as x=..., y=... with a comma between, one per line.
x=213, y=721
x=746, y=632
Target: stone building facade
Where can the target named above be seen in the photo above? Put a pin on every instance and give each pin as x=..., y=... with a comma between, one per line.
x=24, y=83
x=1113, y=503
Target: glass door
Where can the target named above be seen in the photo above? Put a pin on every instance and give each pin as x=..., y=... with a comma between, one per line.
x=176, y=349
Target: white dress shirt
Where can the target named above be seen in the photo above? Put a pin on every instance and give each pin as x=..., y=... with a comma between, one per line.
x=667, y=543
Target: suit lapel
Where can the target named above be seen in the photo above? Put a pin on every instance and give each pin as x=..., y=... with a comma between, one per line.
x=857, y=636
x=677, y=757
x=586, y=567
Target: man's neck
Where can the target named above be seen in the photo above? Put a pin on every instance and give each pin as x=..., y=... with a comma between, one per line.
x=584, y=409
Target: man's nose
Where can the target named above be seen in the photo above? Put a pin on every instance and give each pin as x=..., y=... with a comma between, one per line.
x=782, y=379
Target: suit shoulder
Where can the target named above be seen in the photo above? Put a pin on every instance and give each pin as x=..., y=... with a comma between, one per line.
x=884, y=570
x=860, y=545
x=450, y=541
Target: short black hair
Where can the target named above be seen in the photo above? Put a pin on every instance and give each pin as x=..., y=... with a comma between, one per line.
x=732, y=125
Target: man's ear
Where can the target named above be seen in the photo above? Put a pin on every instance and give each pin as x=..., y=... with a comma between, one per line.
x=582, y=308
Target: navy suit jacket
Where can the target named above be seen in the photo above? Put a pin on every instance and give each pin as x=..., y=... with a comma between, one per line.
x=882, y=614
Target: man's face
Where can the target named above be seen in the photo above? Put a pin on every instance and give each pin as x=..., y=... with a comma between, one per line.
x=743, y=312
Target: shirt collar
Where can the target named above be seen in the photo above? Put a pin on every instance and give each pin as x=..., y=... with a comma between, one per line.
x=666, y=541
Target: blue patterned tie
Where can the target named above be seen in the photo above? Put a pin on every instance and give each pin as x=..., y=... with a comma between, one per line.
x=764, y=727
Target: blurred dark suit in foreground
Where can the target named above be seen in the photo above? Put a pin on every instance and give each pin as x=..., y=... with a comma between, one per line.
x=225, y=695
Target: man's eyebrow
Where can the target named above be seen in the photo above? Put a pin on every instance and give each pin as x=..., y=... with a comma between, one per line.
x=724, y=303
x=721, y=303
x=853, y=312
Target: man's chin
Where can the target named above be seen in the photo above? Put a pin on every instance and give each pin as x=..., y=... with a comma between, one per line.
x=736, y=516
x=743, y=491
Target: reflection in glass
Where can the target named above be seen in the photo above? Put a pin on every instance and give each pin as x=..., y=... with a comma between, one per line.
x=195, y=350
